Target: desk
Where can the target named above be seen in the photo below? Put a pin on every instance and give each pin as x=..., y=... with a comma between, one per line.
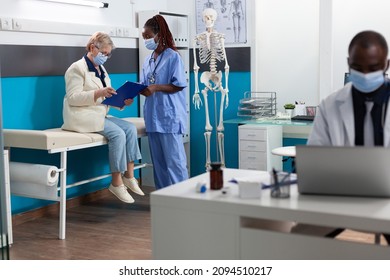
x=291, y=129
x=190, y=225
x=288, y=151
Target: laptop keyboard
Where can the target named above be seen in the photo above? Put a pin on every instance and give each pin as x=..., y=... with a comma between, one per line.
x=303, y=118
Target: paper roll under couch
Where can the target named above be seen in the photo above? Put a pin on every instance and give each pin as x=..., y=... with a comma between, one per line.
x=59, y=141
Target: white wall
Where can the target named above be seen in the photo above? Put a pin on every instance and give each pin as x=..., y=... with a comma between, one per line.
x=46, y=23
x=299, y=47
x=287, y=50
x=349, y=18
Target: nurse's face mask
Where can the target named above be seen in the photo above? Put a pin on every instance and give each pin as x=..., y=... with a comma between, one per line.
x=151, y=44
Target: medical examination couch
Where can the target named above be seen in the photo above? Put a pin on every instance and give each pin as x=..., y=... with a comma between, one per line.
x=60, y=141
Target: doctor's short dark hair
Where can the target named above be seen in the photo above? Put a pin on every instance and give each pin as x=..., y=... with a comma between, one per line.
x=369, y=38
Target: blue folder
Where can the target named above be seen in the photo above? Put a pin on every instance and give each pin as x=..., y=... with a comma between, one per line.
x=126, y=91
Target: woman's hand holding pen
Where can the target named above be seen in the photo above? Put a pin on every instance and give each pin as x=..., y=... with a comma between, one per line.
x=149, y=90
x=104, y=92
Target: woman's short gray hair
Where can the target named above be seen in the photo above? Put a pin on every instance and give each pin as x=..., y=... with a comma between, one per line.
x=100, y=40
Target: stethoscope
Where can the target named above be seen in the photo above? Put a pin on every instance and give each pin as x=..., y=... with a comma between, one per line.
x=152, y=76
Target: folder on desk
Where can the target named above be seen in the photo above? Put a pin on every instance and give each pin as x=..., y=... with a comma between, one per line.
x=128, y=90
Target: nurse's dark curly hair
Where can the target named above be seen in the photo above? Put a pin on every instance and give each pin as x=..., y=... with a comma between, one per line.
x=159, y=26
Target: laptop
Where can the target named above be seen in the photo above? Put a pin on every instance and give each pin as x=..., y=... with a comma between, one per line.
x=346, y=171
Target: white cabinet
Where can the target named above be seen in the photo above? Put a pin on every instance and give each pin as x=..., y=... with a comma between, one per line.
x=255, y=145
x=178, y=25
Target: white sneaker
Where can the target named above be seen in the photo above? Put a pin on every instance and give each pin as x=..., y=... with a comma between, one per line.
x=121, y=193
x=132, y=184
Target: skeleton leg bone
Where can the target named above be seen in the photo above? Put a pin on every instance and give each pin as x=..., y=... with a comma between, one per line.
x=220, y=124
x=207, y=136
x=221, y=147
x=206, y=107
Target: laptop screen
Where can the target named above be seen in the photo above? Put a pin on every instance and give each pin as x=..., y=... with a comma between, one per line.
x=351, y=171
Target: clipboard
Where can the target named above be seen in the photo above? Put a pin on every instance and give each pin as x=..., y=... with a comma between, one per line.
x=129, y=90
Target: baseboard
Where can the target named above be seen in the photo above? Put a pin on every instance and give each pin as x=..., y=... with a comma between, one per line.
x=53, y=209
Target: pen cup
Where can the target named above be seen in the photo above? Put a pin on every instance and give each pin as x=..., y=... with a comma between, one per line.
x=280, y=188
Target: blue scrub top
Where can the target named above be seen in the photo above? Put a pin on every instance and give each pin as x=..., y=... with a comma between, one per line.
x=165, y=112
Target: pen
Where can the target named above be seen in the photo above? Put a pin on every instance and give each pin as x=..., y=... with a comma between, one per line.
x=274, y=173
x=265, y=186
x=276, y=189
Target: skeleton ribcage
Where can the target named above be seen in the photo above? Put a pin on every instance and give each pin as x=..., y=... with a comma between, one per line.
x=210, y=53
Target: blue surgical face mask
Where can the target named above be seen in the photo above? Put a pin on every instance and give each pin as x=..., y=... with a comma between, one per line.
x=150, y=44
x=367, y=82
x=100, y=59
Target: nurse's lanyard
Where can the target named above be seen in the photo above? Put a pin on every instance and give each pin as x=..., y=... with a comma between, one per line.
x=152, y=76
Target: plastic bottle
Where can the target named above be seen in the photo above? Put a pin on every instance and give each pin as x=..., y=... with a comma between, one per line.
x=216, y=176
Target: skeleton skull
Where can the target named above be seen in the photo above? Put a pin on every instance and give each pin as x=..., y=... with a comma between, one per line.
x=209, y=17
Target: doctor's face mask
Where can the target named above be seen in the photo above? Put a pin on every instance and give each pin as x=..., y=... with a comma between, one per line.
x=367, y=82
x=368, y=64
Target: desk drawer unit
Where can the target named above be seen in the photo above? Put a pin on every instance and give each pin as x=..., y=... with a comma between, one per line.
x=255, y=145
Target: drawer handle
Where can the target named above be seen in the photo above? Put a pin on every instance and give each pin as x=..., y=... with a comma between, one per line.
x=251, y=146
x=251, y=135
x=252, y=157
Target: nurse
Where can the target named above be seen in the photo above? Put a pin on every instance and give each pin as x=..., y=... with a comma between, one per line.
x=165, y=103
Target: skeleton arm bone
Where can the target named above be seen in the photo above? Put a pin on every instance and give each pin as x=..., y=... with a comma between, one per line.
x=196, y=97
x=227, y=68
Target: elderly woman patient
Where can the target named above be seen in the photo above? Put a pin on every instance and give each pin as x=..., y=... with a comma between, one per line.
x=87, y=85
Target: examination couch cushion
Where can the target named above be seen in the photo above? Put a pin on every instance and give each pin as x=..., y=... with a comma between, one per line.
x=56, y=138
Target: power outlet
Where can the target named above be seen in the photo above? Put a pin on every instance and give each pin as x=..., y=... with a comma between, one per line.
x=119, y=32
x=126, y=32
x=112, y=32
x=6, y=24
x=16, y=24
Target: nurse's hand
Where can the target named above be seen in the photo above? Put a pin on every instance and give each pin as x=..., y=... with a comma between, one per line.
x=129, y=101
x=149, y=90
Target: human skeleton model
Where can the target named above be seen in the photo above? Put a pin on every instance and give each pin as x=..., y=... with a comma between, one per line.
x=238, y=12
x=211, y=49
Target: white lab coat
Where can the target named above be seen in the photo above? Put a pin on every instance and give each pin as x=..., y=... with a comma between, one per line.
x=334, y=124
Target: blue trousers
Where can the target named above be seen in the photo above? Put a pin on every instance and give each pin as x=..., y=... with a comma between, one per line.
x=168, y=158
x=122, y=143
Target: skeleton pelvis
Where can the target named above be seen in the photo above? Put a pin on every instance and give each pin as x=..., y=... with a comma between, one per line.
x=208, y=77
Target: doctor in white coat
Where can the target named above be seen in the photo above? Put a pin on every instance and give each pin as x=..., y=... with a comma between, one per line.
x=341, y=118
x=356, y=115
